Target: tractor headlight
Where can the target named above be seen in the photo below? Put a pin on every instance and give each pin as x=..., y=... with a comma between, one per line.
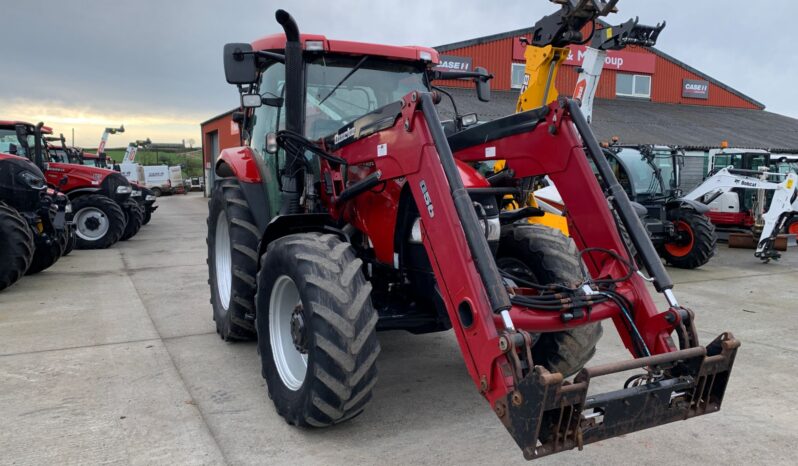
x=31, y=180
x=68, y=208
x=149, y=197
x=123, y=189
x=135, y=193
x=490, y=226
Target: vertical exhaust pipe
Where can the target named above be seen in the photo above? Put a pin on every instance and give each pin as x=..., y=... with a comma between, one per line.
x=294, y=111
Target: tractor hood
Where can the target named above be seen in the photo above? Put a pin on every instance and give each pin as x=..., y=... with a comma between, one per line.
x=21, y=182
x=70, y=178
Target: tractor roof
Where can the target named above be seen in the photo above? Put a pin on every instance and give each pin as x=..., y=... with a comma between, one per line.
x=276, y=42
x=7, y=123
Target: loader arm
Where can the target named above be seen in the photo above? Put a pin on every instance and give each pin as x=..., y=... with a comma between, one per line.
x=494, y=321
x=609, y=38
x=784, y=200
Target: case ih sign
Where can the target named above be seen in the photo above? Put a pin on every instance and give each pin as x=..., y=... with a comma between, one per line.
x=695, y=89
x=452, y=63
x=616, y=60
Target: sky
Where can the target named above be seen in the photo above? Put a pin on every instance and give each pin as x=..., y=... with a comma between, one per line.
x=156, y=66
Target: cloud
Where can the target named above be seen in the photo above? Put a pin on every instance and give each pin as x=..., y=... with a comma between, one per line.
x=160, y=61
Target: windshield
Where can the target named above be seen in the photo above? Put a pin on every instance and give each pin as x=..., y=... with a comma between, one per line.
x=374, y=84
x=642, y=175
x=9, y=143
x=746, y=161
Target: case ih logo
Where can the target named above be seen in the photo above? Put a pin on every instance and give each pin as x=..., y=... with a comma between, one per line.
x=695, y=89
x=452, y=63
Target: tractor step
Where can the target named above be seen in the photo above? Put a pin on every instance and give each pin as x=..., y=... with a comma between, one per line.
x=547, y=415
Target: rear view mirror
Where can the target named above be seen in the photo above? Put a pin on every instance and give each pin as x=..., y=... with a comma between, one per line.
x=239, y=64
x=483, y=84
x=251, y=100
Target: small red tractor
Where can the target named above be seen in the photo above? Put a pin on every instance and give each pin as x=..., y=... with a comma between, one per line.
x=103, y=212
x=349, y=210
x=34, y=232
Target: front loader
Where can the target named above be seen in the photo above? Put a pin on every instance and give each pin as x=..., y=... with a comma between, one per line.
x=348, y=210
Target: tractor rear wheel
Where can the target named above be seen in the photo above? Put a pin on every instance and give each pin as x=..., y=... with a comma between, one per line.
x=791, y=227
x=232, y=261
x=16, y=246
x=45, y=255
x=99, y=221
x=134, y=215
x=545, y=256
x=697, y=240
x=316, y=329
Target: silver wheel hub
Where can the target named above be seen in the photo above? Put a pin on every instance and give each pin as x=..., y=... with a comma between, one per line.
x=288, y=333
x=92, y=223
x=223, y=261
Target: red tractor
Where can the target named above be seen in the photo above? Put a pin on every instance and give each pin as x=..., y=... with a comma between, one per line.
x=34, y=232
x=348, y=209
x=103, y=212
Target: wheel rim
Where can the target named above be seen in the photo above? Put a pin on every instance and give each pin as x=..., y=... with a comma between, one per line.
x=292, y=365
x=681, y=248
x=223, y=260
x=92, y=223
x=793, y=228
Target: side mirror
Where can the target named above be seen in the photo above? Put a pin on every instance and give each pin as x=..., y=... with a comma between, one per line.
x=483, y=84
x=12, y=149
x=251, y=100
x=239, y=64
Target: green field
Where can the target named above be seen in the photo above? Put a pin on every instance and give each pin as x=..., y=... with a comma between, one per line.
x=191, y=162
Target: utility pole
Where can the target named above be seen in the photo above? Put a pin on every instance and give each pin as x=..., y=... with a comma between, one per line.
x=73, y=137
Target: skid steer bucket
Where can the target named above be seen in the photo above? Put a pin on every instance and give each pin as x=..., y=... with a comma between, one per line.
x=547, y=415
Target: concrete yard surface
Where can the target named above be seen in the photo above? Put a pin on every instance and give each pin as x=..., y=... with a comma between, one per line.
x=111, y=357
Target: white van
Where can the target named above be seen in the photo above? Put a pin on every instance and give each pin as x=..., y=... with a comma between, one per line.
x=134, y=172
x=176, y=178
x=156, y=177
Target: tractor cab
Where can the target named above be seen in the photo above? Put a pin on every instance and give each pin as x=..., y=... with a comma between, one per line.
x=647, y=172
x=740, y=159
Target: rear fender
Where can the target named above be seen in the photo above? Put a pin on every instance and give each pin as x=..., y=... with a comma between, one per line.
x=687, y=204
x=239, y=162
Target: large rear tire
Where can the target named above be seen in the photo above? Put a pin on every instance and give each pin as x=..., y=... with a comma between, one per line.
x=16, y=246
x=316, y=329
x=545, y=256
x=134, y=215
x=99, y=221
x=699, y=240
x=232, y=261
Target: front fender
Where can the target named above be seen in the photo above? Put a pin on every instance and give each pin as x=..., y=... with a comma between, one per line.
x=687, y=203
x=238, y=162
x=80, y=192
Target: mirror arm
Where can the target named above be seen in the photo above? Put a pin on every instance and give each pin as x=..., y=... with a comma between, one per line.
x=437, y=74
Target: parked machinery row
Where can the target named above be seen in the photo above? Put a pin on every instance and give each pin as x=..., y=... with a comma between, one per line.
x=50, y=203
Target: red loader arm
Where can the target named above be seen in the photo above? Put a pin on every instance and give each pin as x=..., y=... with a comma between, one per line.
x=544, y=414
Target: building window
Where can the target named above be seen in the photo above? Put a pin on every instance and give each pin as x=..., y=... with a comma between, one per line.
x=633, y=85
x=517, y=75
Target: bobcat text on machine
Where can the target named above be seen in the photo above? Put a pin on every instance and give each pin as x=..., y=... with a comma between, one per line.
x=347, y=209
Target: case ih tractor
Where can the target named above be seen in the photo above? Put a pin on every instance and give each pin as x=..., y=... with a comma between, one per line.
x=347, y=210
x=62, y=153
x=103, y=211
x=33, y=228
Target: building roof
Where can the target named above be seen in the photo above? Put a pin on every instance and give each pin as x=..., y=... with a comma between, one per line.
x=643, y=122
x=218, y=117
x=525, y=31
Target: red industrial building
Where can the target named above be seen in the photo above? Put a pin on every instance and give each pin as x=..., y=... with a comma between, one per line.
x=645, y=96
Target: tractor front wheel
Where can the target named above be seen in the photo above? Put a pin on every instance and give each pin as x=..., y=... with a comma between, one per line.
x=232, y=261
x=45, y=255
x=16, y=246
x=316, y=329
x=545, y=256
x=99, y=221
x=134, y=214
x=147, y=216
x=68, y=238
x=696, y=240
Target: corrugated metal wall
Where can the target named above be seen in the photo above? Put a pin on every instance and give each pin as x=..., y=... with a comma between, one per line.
x=666, y=85
x=692, y=172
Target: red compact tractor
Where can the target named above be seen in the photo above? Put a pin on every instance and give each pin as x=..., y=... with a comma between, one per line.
x=348, y=209
x=103, y=212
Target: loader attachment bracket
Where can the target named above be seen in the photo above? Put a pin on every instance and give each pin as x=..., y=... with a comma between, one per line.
x=547, y=415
